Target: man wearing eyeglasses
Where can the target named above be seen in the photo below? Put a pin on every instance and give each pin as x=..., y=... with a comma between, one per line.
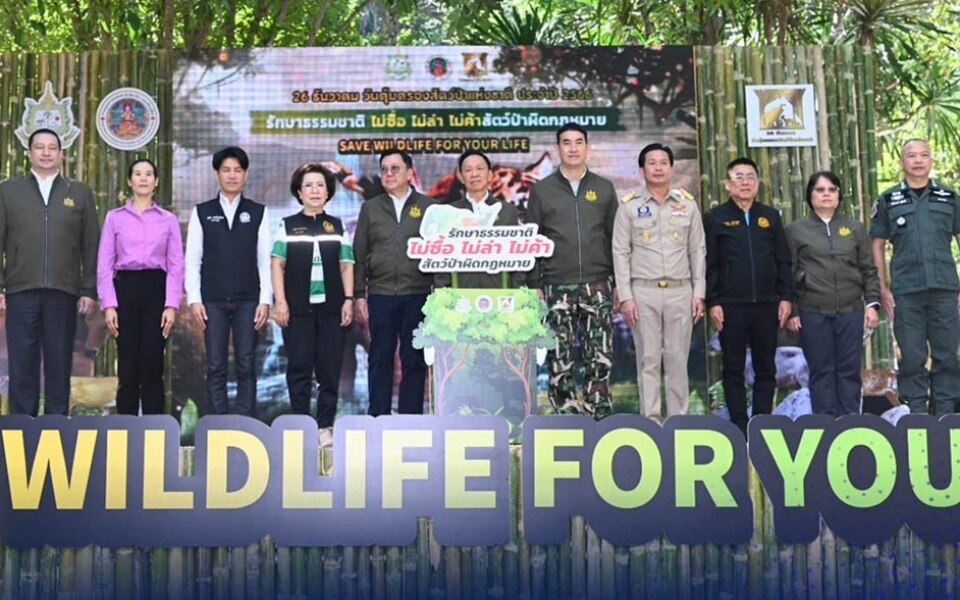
x=921, y=218
x=389, y=287
x=749, y=288
x=659, y=255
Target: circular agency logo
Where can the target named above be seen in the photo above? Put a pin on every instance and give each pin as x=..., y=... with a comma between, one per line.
x=128, y=119
x=438, y=67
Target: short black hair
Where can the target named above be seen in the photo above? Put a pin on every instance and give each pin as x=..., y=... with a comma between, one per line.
x=407, y=159
x=296, y=182
x=653, y=147
x=231, y=152
x=829, y=176
x=45, y=130
x=470, y=153
x=571, y=126
x=743, y=160
x=137, y=162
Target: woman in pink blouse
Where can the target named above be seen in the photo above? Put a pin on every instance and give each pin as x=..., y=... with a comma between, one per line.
x=140, y=283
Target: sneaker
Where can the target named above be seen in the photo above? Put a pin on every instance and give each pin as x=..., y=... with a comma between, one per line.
x=326, y=437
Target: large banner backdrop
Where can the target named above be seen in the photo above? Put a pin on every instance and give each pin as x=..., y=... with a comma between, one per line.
x=343, y=106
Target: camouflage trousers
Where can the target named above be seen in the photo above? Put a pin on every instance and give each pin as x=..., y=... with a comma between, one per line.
x=581, y=313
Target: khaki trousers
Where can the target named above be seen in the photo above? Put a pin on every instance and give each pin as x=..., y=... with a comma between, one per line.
x=662, y=341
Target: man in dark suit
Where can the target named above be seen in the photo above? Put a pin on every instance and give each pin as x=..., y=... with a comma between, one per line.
x=392, y=284
x=228, y=280
x=49, y=233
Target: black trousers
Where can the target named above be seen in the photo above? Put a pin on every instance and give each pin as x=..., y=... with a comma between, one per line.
x=753, y=325
x=140, y=304
x=41, y=320
x=314, y=343
x=393, y=319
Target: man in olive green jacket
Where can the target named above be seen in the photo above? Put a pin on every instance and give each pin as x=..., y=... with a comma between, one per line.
x=49, y=233
x=576, y=209
x=389, y=286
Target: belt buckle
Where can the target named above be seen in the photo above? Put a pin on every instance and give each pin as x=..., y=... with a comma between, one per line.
x=663, y=283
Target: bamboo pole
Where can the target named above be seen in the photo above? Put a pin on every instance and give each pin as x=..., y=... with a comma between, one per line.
x=918, y=565
x=348, y=574
x=856, y=572
x=564, y=569
x=466, y=573
x=638, y=584
x=268, y=569
x=553, y=571
x=422, y=558
x=668, y=568
x=771, y=569
x=314, y=572
x=871, y=571
x=332, y=561
x=755, y=552
x=829, y=562
x=124, y=572
x=800, y=571
x=159, y=567
x=480, y=569
x=608, y=582
x=510, y=551
x=887, y=566
x=843, y=569
x=622, y=572
x=538, y=572
x=174, y=573
x=948, y=571
x=931, y=580
x=236, y=568
x=377, y=573
x=903, y=557
x=29, y=573
x=46, y=585
x=451, y=573
x=786, y=570
x=697, y=573
x=654, y=569
x=364, y=588
x=578, y=558
x=298, y=572
x=712, y=571
x=11, y=574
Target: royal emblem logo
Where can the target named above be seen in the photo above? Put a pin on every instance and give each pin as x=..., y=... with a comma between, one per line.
x=845, y=231
x=128, y=119
x=69, y=202
x=328, y=226
x=415, y=212
x=398, y=66
x=244, y=217
x=47, y=112
x=763, y=223
x=590, y=196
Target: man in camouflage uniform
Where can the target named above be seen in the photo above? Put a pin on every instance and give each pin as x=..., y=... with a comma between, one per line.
x=659, y=259
x=576, y=208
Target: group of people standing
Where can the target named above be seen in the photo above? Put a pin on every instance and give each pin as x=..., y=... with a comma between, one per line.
x=650, y=256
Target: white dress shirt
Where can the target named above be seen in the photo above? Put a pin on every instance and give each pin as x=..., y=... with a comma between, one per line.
x=399, y=202
x=45, y=184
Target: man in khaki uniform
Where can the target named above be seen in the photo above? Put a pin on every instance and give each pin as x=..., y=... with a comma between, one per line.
x=659, y=261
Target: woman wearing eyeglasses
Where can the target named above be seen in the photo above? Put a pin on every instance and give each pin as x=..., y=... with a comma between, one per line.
x=838, y=294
